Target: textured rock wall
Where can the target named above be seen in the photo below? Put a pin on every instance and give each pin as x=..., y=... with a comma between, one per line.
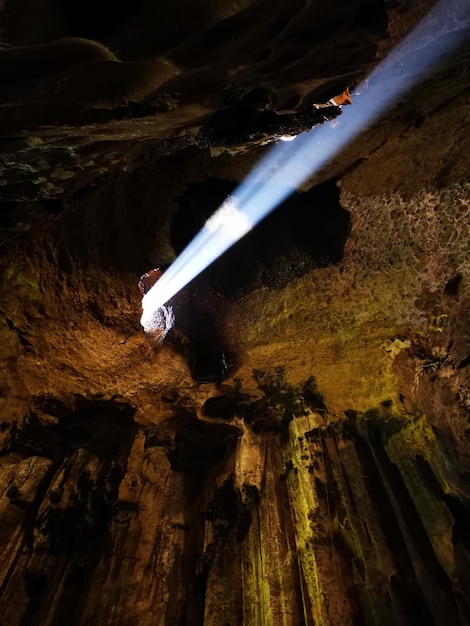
x=340, y=518
x=196, y=522
x=336, y=519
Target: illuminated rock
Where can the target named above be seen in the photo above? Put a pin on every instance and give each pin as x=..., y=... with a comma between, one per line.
x=148, y=280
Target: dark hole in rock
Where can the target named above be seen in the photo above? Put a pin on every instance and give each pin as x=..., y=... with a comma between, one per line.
x=195, y=335
x=411, y=606
x=34, y=438
x=72, y=589
x=233, y=509
x=200, y=583
x=464, y=363
x=198, y=339
x=209, y=361
x=17, y=218
x=312, y=397
x=262, y=417
x=76, y=527
x=351, y=415
x=429, y=478
x=13, y=493
x=82, y=526
x=460, y=510
x=452, y=287
x=104, y=430
x=308, y=230
x=77, y=434
x=51, y=405
x=163, y=434
x=35, y=584
x=452, y=468
x=219, y=407
x=320, y=488
x=199, y=446
x=225, y=504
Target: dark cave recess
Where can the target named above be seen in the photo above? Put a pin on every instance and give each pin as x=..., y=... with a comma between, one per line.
x=308, y=230
x=196, y=337
x=102, y=428
x=198, y=446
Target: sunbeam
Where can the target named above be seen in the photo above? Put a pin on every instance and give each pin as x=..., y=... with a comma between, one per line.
x=290, y=163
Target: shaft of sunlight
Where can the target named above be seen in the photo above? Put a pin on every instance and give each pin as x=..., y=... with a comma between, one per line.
x=288, y=164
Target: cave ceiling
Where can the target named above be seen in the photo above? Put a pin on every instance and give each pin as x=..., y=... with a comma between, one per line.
x=339, y=324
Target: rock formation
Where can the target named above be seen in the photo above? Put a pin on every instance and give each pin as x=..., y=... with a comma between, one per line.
x=296, y=449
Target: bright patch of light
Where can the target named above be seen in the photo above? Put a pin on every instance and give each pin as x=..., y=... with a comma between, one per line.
x=287, y=137
x=289, y=164
x=226, y=226
x=158, y=321
x=228, y=221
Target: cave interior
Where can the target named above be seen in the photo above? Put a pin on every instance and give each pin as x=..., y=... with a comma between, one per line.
x=294, y=447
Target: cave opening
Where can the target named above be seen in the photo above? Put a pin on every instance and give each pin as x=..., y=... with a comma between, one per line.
x=308, y=230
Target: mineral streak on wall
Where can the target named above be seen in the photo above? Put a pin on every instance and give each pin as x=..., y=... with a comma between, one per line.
x=289, y=164
x=298, y=527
